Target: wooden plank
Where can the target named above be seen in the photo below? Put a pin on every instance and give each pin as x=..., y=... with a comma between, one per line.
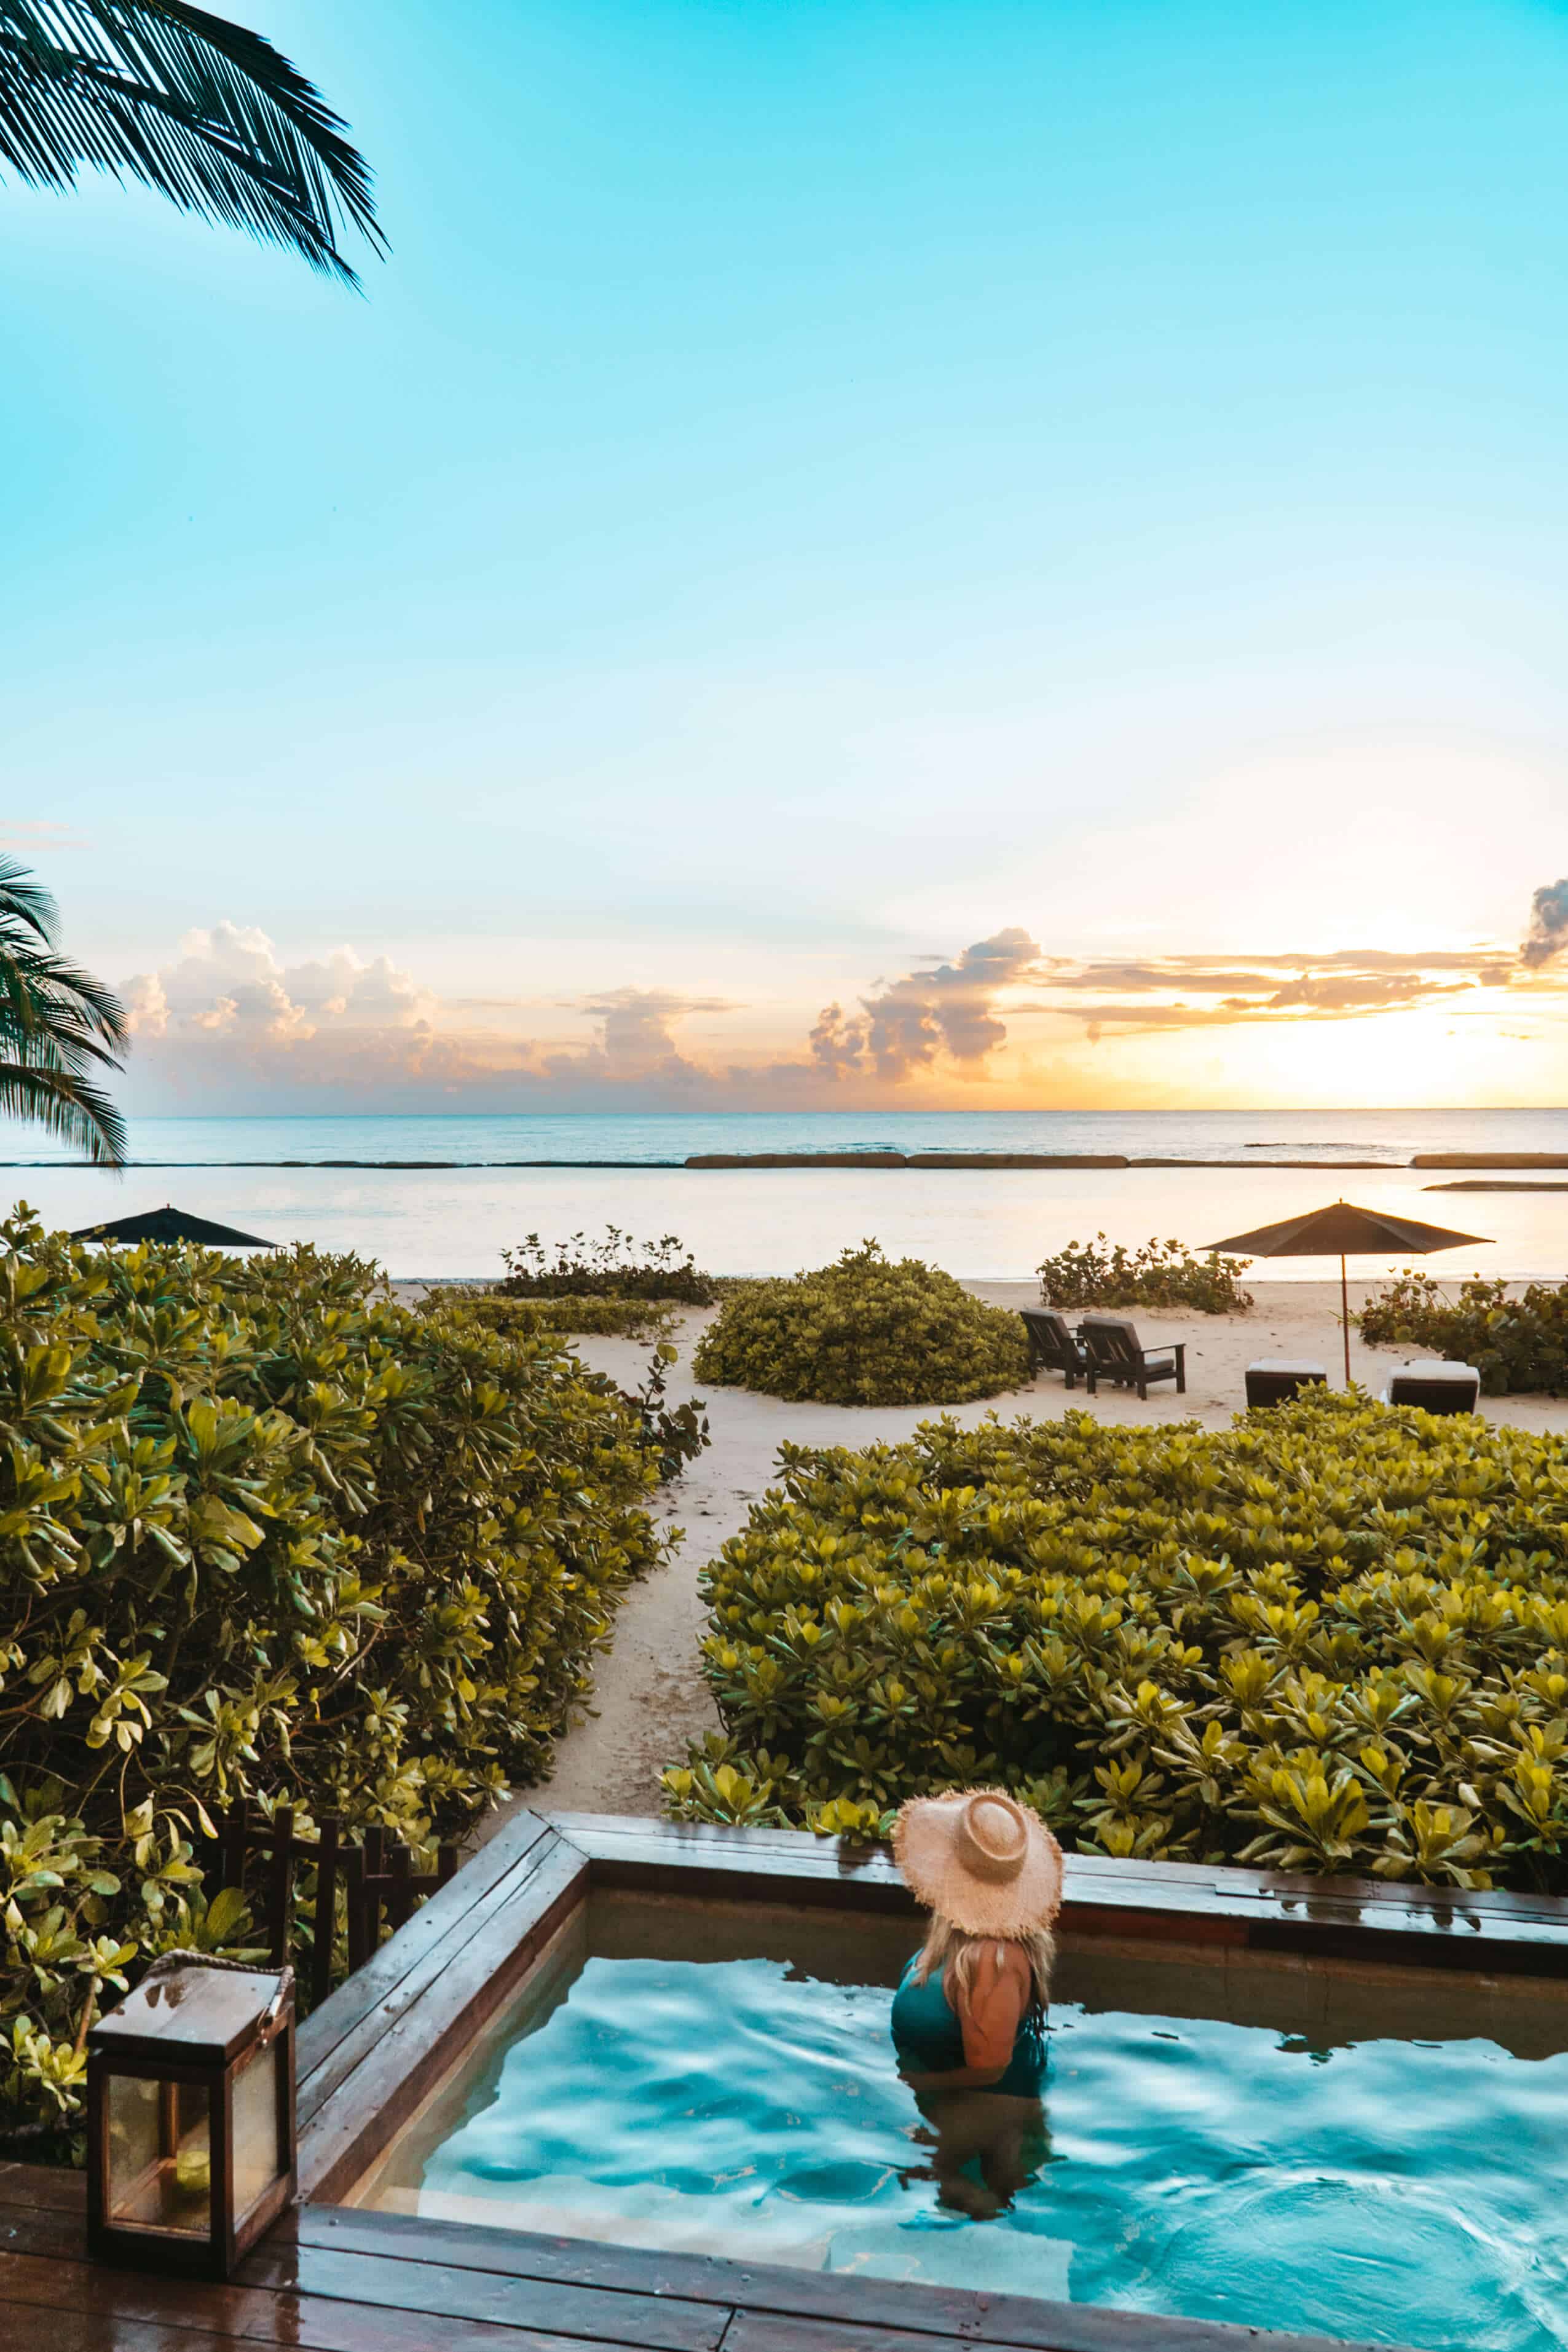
x=912, y=2311
x=762, y=2331
x=604, y=2316
x=1224, y=1904
x=30, y=2280
x=353, y=2000
x=517, y=2253
x=1077, y=2328
x=427, y=1962
x=399, y=2062
x=52, y=2185
x=33, y=2230
x=252, y=2314
x=72, y=2331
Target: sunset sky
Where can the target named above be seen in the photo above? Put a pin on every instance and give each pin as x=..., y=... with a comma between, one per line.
x=925, y=554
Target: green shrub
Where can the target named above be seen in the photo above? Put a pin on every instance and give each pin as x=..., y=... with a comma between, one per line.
x=1334, y=1637
x=865, y=1331
x=1161, y=1273
x=616, y=1267
x=264, y=1533
x=1517, y=1345
x=612, y=1319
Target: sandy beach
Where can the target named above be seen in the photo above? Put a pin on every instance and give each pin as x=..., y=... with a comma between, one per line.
x=649, y=1697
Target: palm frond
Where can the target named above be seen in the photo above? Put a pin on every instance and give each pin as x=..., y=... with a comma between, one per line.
x=55, y=1021
x=198, y=109
x=25, y=904
x=66, y=1107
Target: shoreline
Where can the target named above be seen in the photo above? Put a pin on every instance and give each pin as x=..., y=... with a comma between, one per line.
x=894, y=1163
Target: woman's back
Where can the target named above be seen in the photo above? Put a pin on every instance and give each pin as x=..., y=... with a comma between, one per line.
x=978, y=2019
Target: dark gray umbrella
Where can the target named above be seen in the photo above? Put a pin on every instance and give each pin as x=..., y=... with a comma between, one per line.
x=1344, y=1231
x=169, y=1224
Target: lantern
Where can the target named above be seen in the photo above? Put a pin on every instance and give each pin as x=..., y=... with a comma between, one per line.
x=191, y=2116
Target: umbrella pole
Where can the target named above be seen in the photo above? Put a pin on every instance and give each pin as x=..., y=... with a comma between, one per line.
x=1345, y=1316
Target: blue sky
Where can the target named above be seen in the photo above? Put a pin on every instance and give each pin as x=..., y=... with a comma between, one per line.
x=819, y=488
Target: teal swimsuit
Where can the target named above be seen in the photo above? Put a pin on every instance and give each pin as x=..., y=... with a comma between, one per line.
x=929, y=2039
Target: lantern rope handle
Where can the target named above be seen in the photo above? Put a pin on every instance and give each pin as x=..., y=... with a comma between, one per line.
x=167, y=1963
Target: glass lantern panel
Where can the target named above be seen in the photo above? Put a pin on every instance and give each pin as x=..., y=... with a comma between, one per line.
x=257, y=2156
x=160, y=2157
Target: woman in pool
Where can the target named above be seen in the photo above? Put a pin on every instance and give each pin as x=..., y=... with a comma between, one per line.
x=968, y=2018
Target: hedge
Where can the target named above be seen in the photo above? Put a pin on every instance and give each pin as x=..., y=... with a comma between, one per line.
x=615, y=1267
x=616, y=1318
x=866, y=1330
x=264, y=1533
x=1334, y=1637
x=1517, y=1345
x=1159, y=1274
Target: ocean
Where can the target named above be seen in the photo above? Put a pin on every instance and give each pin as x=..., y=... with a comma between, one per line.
x=441, y=1197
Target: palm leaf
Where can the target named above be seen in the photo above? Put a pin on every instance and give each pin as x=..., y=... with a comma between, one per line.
x=55, y=1021
x=207, y=114
x=66, y=1107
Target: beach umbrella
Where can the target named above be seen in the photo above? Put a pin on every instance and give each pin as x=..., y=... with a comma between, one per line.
x=1344, y=1231
x=171, y=1224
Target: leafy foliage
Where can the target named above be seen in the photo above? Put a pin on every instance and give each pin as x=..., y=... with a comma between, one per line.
x=866, y=1330
x=263, y=1533
x=615, y=1267
x=1161, y=1273
x=193, y=107
x=1517, y=1345
x=1333, y=1637
x=58, y=1024
x=613, y=1318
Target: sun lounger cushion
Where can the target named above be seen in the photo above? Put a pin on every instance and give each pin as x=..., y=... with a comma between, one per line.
x=1436, y=1385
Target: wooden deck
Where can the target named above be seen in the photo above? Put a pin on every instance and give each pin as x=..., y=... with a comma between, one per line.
x=333, y=2280
x=336, y=2278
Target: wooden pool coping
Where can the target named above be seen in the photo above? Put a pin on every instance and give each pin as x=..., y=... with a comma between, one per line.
x=333, y=2278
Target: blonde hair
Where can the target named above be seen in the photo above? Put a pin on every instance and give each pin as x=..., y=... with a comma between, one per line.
x=946, y=1946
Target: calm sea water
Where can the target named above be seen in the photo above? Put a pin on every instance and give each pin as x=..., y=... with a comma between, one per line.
x=443, y=1197
x=1396, y=2191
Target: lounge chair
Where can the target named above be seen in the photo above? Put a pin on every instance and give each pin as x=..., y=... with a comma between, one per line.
x=1435, y=1386
x=1116, y=1355
x=1275, y=1380
x=1052, y=1347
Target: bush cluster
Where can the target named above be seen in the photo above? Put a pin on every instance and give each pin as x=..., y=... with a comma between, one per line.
x=1161, y=1273
x=615, y=1267
x=866, y=1330
x=1517, y=1345
x=1334, y=1637
x=265, y=1534
x=594, y=1318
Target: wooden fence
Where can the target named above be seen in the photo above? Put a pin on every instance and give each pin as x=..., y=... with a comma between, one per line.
x=377, y=1876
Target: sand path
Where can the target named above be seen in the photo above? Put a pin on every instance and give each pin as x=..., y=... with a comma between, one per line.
x=649, y=1698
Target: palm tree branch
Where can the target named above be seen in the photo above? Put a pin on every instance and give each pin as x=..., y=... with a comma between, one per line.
x=204, y=112
x=66, y=1106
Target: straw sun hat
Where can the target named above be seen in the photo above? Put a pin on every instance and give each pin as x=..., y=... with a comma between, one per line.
x=978, y=1859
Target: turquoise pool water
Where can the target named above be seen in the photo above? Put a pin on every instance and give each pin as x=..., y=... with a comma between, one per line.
x=1409, y=2192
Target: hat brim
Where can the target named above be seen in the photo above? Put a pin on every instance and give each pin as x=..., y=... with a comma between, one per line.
x=924, y=1846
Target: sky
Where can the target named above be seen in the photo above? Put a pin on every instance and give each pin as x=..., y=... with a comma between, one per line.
x=926, y=555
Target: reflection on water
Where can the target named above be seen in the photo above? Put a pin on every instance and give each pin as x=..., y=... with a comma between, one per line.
x=1392, y=2189
x=982, y=1224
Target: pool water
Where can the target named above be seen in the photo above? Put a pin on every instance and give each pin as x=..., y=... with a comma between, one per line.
x=1402, y=2190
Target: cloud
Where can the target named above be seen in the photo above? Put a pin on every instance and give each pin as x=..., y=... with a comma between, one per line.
x=33, y=834
x=1548, y=932
x=838, y=1045
x=1217, y=991
x=229, y=1023
x=951, y=1010
x=227, y=1002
